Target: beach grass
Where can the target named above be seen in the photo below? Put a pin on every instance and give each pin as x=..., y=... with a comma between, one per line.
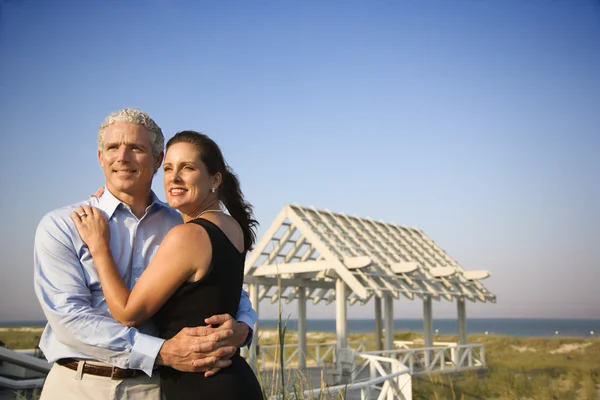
x=21, y=337
x=517, y=367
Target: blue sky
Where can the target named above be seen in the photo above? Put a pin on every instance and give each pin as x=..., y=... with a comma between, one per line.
x=477, y=121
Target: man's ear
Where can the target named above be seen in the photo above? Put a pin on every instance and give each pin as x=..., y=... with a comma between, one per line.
x=100, y=158
x=158, y=160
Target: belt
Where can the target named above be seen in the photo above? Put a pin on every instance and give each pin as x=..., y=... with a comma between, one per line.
x=99, y=370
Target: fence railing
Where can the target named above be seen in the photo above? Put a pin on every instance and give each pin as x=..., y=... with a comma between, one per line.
x=31, y=369
x=388, y=379
x=435, y=359
x=443, y=356
x=316, y=353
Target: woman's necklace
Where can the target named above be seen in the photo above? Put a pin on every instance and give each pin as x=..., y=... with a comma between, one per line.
x=207, y=211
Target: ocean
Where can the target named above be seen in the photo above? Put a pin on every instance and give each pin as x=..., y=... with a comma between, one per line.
x=494, y=326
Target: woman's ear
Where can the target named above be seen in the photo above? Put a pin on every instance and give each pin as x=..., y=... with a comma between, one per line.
x=217, y=180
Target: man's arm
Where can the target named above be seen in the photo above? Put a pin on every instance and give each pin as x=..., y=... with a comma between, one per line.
x=248, y=316
x=62, y=289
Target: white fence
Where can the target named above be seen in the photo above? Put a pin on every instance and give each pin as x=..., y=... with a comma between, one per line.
x=389, y=371
x=388, y=380
x=443, y=356
x=316, y=353
x=451, y=358
x=28, y=371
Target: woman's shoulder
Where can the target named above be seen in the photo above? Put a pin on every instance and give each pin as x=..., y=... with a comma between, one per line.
x=185, y=234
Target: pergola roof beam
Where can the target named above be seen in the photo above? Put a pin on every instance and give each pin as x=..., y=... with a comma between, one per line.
x=415, y=235
x=289, y=282
x=374, y=257
x=264, y=241
x=395, y=231
x=292, y=268
x=282, y=242
x=326, y=252
x=395, y=267
x=294, y=250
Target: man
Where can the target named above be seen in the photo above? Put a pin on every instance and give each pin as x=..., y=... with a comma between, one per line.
x=94, y=355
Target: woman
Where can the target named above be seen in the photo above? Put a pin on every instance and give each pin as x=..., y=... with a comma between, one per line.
x=198, y=269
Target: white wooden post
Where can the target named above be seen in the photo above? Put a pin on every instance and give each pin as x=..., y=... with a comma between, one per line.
x=340, y=314
x=301, y=327
x=405, y=383
x=462, y=325
x=253, y=293
x=389, y=321
x=428, y=328
x=378, y=322
x=392, y=382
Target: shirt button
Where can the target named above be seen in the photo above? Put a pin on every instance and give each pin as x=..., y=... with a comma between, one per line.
x=137, y=251
x=136, y=279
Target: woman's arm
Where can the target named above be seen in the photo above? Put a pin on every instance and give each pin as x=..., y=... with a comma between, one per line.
x=185, y=251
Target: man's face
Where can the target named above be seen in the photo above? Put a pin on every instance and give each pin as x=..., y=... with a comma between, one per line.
x=127, y=159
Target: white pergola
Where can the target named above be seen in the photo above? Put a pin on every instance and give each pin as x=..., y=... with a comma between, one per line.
x=324, y=256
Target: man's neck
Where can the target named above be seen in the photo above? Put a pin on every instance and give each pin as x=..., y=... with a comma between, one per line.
x=137, y=202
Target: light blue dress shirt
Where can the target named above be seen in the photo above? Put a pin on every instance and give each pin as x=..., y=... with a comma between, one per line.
x=67, y=285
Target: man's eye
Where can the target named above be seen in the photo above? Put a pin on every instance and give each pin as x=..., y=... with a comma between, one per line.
x=167, y=169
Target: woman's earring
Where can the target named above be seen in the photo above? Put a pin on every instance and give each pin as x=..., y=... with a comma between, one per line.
x=212, y=190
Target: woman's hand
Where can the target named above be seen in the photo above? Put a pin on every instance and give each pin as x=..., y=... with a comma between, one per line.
x=92, y=226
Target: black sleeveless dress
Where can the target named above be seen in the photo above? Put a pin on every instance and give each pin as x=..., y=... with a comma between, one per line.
x=218, y=292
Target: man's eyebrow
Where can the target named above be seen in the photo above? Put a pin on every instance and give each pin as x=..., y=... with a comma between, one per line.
x=138, y=144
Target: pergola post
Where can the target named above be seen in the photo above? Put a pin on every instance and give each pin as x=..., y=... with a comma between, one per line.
x=378, y=322
x=301, y=327
x=462, y=321
x=253, y=293
x=388, y=304
x=427, y=327
x=340, y=314
x=462, y=324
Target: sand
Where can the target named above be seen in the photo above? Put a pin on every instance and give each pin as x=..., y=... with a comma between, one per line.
x=522, y=349
x=569, y=347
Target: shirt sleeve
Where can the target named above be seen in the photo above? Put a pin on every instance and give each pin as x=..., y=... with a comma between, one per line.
x=247, y=315
x=66, y=299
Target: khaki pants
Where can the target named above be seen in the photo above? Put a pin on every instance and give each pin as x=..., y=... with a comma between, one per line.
x=65, y=384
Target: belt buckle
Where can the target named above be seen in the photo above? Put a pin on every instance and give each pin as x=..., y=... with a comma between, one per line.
x=112, y=373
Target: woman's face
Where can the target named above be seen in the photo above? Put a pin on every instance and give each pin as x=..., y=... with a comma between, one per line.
x=186, y=179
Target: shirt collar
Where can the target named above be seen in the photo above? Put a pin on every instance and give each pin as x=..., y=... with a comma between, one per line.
x=109, y=203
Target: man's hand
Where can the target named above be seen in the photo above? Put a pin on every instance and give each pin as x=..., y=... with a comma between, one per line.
x=198, y=349
x=238, y=338
x=226, y=321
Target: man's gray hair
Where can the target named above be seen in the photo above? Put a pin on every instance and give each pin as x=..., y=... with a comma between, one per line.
x=138, y=117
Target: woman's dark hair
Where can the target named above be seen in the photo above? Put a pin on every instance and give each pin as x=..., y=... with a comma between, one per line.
x=229, y=193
